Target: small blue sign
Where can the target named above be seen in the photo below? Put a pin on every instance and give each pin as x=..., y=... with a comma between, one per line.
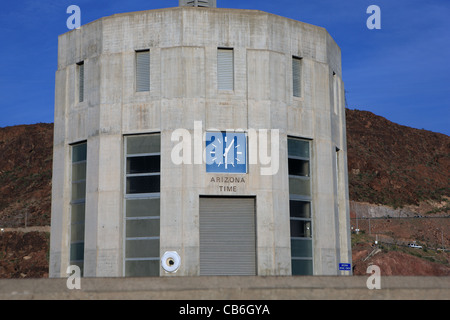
x=345, y=266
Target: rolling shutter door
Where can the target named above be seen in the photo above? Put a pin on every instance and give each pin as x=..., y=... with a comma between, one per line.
x=227, y=236
x=225, y=69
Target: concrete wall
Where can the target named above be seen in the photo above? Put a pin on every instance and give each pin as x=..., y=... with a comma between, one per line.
x=229, y=288
x=183, y=46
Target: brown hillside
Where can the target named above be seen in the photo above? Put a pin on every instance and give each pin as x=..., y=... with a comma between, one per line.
x=395, y=165
x=24, y=255
x=26, y=154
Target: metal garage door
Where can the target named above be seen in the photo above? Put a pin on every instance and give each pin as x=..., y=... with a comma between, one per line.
x=227, y=236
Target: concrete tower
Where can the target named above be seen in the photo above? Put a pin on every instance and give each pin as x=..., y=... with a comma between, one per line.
x=199, y=141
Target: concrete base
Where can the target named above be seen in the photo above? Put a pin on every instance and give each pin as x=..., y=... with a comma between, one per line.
x=229, y=288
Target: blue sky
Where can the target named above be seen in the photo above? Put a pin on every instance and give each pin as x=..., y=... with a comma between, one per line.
x=400, y=72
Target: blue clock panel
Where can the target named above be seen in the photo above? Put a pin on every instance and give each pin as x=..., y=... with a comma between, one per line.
x=226, y=152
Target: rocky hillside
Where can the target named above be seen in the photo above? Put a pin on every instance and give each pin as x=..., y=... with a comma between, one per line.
x=26, y=154
x=25, y=199
x=395, y=165
x=388, y=165
x=24, y=254
x=392, y=166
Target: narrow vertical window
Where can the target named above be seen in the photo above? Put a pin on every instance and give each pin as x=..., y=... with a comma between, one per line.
x=142, y=71
x=78, y=202
x=80, y=67
x=142, y=205
x=300, y=206
x=335, y=93
x=297, y=76
x=337, y=176
x=225, y=69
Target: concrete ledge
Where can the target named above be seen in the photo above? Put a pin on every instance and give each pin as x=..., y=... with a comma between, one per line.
x=228, y=288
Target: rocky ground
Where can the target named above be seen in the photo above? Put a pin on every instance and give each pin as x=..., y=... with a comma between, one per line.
x=24, y=255
x=26, y=154
x=384, y=242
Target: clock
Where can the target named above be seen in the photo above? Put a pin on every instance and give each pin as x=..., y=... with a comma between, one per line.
x=226, y=152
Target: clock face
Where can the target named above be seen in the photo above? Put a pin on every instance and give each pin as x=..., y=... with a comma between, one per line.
x=226, y=152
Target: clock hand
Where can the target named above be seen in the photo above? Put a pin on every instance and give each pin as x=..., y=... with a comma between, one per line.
x=226, y=153
x=229, y=147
